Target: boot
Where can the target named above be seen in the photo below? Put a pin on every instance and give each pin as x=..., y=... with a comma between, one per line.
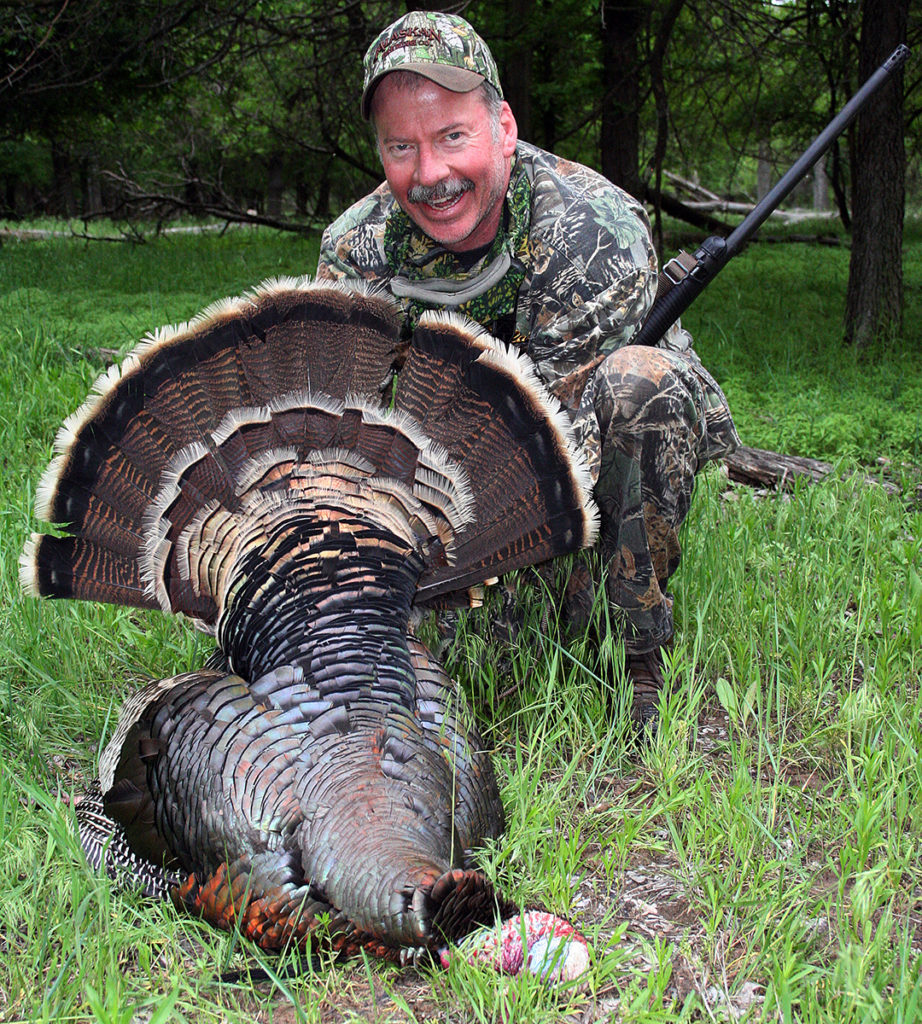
x=645, y=672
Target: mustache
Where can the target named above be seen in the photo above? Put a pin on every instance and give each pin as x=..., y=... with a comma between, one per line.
x=451, y=188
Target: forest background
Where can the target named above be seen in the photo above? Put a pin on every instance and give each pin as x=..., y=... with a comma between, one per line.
x=760, y=860
x=248, y=110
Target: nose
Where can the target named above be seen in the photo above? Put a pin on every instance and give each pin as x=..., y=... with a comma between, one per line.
x=431, y=168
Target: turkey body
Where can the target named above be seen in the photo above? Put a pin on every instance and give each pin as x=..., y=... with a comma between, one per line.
x=243, y=470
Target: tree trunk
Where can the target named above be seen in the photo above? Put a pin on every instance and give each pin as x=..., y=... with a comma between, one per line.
x=192, y=186
x=64, y=201
x=547, y=57
x=658, y=85
x=322, y=203
x=764, y=169
x=92, y=186
x=9, y=192
x=275, y=185
x=874, y=301
x=620, y=133
x=517, y=80
x=820, y=186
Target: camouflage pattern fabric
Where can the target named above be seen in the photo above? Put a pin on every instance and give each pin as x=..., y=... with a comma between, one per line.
x=652, y=415
x=589, y=263
x=647, y=418
x=429, y=37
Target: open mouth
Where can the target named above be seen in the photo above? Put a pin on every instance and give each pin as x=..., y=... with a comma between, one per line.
x=442, y=197
x=440, y=205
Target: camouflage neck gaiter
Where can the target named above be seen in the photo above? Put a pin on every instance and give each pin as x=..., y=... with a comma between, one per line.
x=486, y=291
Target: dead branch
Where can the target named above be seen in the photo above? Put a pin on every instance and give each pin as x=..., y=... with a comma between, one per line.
x=143, y=204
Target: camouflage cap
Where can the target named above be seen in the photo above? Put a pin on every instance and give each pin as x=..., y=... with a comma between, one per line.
x=442, y=47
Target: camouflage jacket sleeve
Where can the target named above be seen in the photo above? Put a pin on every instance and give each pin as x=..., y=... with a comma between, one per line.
x=592, y=274
x=351, y=247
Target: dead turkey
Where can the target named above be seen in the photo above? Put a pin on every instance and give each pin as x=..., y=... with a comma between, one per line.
x=261, y=471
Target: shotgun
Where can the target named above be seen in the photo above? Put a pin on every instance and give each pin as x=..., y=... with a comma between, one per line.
x=688, y=276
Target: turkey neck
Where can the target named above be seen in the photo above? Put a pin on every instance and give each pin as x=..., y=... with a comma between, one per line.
x=316, y=617
x=328, y=596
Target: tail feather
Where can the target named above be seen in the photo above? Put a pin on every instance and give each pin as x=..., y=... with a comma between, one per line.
x=107, y=849
x=345, y=343
x=486, y=406
x=69, y=567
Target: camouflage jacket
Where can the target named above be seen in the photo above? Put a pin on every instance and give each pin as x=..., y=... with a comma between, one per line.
x=586, y=267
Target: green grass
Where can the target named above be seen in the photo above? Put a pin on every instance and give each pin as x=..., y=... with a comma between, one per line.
x=769, y=328
x=759, y=861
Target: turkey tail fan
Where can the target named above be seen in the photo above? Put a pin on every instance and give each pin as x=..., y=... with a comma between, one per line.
x=485, y=405
x=302, y=455
x=176, y=390
x=202, y=421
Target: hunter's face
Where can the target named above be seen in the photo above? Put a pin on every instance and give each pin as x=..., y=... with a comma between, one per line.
x=447, y=159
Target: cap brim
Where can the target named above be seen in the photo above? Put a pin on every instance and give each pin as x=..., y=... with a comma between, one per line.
x=451, y=78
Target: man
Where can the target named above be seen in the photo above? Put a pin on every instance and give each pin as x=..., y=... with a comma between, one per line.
x=549, y=256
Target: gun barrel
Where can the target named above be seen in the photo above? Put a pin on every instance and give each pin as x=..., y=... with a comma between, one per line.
x=816, y=149
x=713, y=253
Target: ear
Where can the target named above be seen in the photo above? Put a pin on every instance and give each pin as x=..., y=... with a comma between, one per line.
x=508, y=130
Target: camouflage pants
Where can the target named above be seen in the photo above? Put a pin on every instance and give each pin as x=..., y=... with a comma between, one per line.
x=647, y=419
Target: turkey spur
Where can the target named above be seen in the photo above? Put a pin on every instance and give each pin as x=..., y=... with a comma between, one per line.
x=244, y=470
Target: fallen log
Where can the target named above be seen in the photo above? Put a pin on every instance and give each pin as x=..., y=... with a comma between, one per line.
x=41, y=234
x=758, y=467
